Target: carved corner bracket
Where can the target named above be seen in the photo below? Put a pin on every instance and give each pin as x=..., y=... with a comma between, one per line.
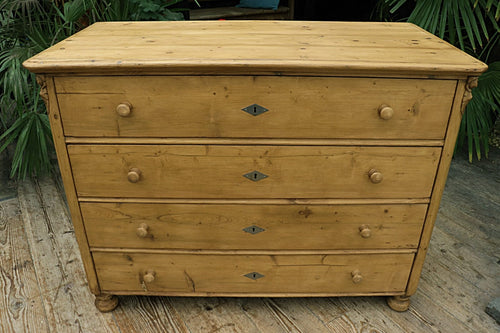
x=42, y=82
x=471, y=83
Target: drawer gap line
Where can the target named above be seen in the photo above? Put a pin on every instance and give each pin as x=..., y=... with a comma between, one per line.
x=367, y=201
x=255, y=252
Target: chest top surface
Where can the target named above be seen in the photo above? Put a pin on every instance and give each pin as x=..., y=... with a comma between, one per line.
x=255, y=47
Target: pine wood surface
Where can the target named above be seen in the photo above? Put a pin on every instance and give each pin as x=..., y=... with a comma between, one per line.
x=109, y=171
x=460, y=276
x=442, y=173
x=67, y=177
x=217, y=171
x=243, y=47
x=299, y=107
x=287, y=274
x=216, y=226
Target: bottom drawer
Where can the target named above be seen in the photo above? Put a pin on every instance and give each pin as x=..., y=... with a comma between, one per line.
x=212, y=274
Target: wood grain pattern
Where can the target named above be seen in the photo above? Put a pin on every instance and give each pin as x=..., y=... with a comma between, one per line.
x=225, y=273
x=60, y=274
x=21, y=305
x=242, y=46
x=198, y=226
x=459, y=276
x=214, y=315
x=299, y=107
x=217, y=171
x=150, y=315
x=442, y=173
x=370, y=129
x=69, y=187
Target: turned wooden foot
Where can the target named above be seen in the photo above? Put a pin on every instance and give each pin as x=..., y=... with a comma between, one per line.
x=399, y=303
x=106, y=302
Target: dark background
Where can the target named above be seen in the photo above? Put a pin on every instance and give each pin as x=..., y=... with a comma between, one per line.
x=329, y=10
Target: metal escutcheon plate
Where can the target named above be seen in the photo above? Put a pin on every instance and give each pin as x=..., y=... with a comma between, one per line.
x=253, y=229
x=255, y=109
x=255, y=176
x=254, y=275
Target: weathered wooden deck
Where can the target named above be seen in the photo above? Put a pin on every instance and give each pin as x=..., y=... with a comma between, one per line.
x=43, y=287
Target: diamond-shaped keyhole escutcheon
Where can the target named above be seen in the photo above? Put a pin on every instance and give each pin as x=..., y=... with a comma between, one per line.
x=255, y=176
x=253, y=229
x=255, y=109
x=254, y=275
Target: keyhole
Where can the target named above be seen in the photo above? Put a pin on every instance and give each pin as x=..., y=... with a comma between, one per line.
x=254, y=176
x=254, y=109
x=253, y=229
x=254, y=275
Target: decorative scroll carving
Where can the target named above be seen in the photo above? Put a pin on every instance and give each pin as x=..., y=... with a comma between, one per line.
x=471, y=83
x=42, y=82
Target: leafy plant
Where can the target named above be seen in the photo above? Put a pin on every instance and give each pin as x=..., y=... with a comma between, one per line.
x=156, y=10
x=471, y=25
x=23, y=117
x=32, y=132
x=479, y=119
x=28, y=27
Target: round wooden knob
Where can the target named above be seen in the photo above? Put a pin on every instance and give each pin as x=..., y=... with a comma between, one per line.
x=124, y=109
x=134, y=175
x=385, y=112
x=149, y=276
x=365, y=231
x=375, y=176
x=143, y=230
x=356, y=276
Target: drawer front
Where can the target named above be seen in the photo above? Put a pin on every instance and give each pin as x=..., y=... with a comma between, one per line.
x=271, y=227
x=195, y=171
x=298, y=107
x=210, y=273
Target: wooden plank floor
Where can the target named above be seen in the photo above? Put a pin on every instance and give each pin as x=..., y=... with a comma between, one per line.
x=43, y=287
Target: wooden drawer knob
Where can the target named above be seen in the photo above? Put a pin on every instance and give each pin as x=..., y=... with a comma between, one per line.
x=385, y=112
x=149, y=276
x=134, y=175
x=375, y=176
x=124, y=109
x=143, y=230
x=356, y=276
x=365, y=231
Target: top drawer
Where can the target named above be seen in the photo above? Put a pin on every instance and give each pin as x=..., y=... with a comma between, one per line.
x=211, y=106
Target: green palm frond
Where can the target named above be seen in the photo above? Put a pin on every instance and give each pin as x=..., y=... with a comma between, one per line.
x=31, y=132
x=28, y=27
x=471, y=25
x=458, y=21
x=481, y=111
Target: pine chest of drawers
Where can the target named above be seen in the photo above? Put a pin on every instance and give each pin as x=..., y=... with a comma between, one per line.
x=254, y=158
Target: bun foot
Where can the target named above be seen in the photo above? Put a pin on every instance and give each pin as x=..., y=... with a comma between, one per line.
x=399, y=303
x=106, y=302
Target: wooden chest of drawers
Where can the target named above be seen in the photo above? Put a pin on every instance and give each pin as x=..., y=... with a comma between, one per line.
x=254, y=158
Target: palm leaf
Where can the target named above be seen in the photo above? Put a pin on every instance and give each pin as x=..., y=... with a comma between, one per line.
x=468, y=25
x=480, y=113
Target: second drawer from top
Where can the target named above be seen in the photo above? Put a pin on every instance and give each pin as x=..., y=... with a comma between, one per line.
x=224, y=172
